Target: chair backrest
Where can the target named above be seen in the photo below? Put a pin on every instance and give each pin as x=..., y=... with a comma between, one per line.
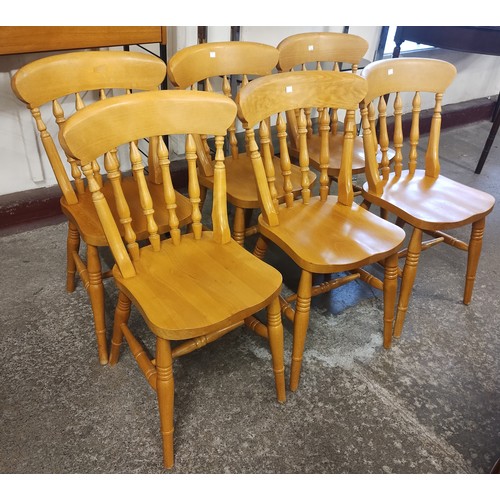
x=318, y=48
x=56, y=78
x=391, y=79
x=233, y=63
x=320, y=51
x=282, y=94
x=101, y=128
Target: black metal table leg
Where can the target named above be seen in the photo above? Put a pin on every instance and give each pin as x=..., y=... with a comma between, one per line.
x=489, y=140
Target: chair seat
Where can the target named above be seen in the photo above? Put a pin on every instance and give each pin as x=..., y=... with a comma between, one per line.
x=343, y=237
x=429, y=203
x=358, y=159
x=199, y=286
x=85, y=217
x=241, y=185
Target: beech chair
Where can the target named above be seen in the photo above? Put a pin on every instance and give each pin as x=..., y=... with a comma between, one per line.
x=52, y=83
x=235, y=62
x=193, y=287
x=323, y=234
x=326, y=51
x=422, y=198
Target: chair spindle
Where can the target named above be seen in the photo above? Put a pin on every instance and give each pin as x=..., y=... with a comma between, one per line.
x=144, y=196
x=303, y=157
x=231, y=131
x=222, y=233
x=114, y=176
x=324, y=157
x=414, y=133
x=58, y=113
x=168, y=191
x=398, y=134
x=267, y=157
x=345, y=191
x=285, y=162
x=110, y=229
x=432, y=166
x=193, y=186
x=383, y=136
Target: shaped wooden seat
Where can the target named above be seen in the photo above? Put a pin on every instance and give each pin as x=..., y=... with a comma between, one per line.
x=53, y=82
x=422, y=198
x=225, y=66
x=192, y=287
x=323, y=234
x=326, y=51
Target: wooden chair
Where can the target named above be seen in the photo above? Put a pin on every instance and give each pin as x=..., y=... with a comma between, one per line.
x=57, y=79
x=235, y=62
x=323, y=234
x=422, y=198
x=326, y=51
x=194, y=287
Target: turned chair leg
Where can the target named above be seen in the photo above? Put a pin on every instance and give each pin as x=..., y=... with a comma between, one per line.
x=260, y=248
x=96, y=294
x=72, y=245
x=473, y=254
x=239, y=225
x=122, y=314
x=275, y=333
x=390, y=292
x=409, y=274
x=300, y=324
x=165, y=392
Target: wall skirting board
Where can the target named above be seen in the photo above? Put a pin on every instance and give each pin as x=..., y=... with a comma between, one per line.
x=40, y=207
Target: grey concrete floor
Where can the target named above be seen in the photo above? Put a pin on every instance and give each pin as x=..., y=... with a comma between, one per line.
x=428, y=405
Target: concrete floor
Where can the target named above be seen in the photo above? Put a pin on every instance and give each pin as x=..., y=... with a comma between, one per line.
x=428, y=405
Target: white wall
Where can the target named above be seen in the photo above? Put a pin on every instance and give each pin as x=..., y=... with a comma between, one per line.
x=273, y=35
x=477, y=76
x=25, y=167
x=24, y=164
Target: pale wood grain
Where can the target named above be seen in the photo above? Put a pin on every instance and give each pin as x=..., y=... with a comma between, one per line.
x=235, y=62
x=422, y=198
x=64, y=77
x=195, y=286
x=322, y=49
x=321, y=234
x=25, y=39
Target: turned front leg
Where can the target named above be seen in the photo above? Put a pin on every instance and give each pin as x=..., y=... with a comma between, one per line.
x=122, y=314
x=409, y=274
x=165, y=392
x=96, y=294
x=390, y=292
x=275, y=333
x=300, y=324
x=72, y=245
x=239, y=225
x=260, y=248
x=473, y=254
